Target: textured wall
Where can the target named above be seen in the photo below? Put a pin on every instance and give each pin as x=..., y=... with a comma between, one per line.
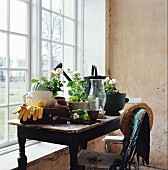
x=137, y=58
x=58, y=160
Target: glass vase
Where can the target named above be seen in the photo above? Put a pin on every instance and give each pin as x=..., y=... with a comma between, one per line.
x=97, y=95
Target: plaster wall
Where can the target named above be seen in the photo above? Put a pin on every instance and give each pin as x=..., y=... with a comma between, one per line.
x=137, y=58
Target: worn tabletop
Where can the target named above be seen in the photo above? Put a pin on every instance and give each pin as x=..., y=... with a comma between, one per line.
x=67, y=128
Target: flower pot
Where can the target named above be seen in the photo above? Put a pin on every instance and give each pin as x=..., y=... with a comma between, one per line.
x=78, y=105
x=93, y=114
x=115, y=103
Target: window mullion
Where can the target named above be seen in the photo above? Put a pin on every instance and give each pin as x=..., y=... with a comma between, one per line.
x=39, y=38
x=50, y=37
x=80, y=35
x=62, y=31
x=75, y=33
x=7, y=74
x=28, y=76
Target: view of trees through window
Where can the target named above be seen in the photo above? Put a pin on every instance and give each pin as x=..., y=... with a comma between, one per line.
x=58, y=33
x=57, y=43
x=14, y=56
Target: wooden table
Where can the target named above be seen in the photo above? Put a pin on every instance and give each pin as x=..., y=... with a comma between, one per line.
x=73, y=135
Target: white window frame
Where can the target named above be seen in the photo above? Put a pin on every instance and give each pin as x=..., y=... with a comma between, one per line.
x=37, y=38
x=36, y=69
x=33, y=69
x=8, y=69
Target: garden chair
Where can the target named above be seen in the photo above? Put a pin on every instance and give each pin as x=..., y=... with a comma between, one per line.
x=112, y=160
x=124, y=121
x=119, y=139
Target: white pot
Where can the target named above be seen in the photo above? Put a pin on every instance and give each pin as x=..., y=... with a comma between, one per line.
x=43, y=95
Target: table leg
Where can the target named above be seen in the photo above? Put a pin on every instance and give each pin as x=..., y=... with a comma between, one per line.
x=73, y=151
x=22, y=160
x=83, y=146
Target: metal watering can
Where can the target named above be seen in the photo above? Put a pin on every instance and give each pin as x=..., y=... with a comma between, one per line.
x=94, y=75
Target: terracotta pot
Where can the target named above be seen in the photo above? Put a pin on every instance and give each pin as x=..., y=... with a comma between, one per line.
x=78, y=105
x=115, y=103
x=93, y=114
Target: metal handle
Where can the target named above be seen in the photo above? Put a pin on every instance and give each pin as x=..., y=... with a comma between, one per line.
x=94, y=71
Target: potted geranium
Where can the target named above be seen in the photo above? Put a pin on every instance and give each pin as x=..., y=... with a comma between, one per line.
x=115, y=100
x=52, y=84
x=77, y=91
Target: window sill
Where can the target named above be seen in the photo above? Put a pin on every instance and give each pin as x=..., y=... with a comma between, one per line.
x=33, y=152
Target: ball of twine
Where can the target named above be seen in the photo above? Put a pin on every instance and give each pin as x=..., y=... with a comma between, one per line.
x=127, y=117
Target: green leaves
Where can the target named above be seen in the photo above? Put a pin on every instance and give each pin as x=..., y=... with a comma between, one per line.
x=77, y=89
x=110, y=87
x=73, y=98
x=54, y=84
x=86, y=117
x=80, y=115
x=34, y=81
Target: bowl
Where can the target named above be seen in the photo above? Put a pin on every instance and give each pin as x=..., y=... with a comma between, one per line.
x=41, y=95
x=77, y=105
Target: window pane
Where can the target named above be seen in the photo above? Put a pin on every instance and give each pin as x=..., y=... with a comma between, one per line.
x=2, y=125
x=57, y=5
x=3, y=14
x=17, y=86
x=68, y=58
x=3, y=49
x=45, y=74
x=69, y=29
x=46, y=3
x=45, y=55
x=56, y=27
x=18, y=50
x=3, y=87
x=18, y=13
x=45, y=25
x=12, y=129
x=57, y=54
x=69, y=8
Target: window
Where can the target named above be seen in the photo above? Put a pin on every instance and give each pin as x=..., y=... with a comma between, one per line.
x=14, y=61
x=34, y=37
x=58, y=34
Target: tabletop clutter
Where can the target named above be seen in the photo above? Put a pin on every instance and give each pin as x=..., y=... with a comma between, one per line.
x=42, y=105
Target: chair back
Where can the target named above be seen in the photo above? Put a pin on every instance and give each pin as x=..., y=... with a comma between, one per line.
x=131, y=142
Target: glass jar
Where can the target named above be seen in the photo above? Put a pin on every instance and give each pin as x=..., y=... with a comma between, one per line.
x=97, y=95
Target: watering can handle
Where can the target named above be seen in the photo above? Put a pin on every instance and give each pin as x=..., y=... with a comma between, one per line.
x=126, y=100
x=94, y=71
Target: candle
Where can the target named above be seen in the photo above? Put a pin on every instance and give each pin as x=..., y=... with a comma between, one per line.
x=97, y=103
